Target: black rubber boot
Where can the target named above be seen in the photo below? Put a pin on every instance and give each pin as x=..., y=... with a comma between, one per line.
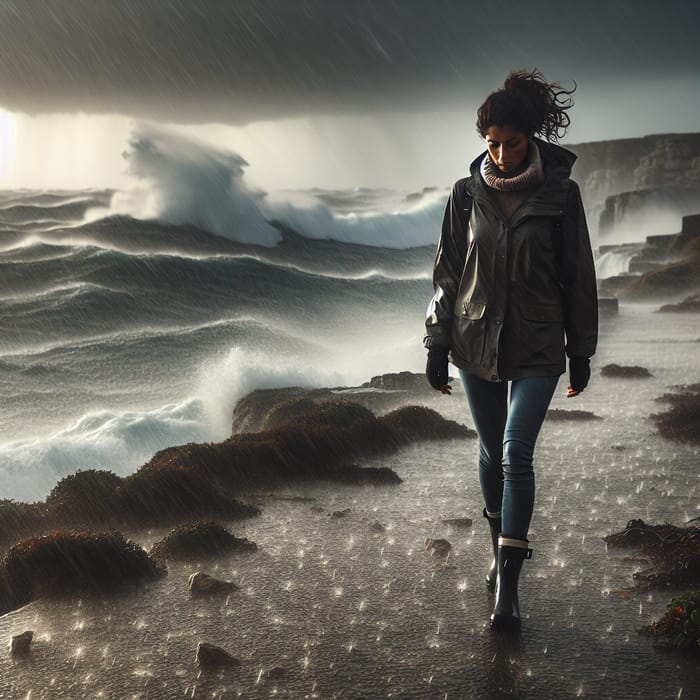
x=495, y=527
x=506, y=611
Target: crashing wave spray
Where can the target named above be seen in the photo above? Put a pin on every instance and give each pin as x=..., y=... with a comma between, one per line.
x=185, y=182
x=182, y=181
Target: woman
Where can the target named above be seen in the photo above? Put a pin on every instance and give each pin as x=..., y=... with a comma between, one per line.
x=515, y=293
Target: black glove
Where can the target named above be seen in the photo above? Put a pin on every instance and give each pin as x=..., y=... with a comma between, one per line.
x=579, y=373
x=436, y=369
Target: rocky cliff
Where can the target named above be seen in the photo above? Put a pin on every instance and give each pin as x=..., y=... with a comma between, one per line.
x=636, y=187
x=666, y=266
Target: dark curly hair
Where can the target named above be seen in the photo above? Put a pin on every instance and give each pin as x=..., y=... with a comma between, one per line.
x=527, y=103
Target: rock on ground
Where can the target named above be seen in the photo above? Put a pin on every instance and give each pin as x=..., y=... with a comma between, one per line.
x=209, y=656
x=204, y=584
x=21, y=643
x=438, y=547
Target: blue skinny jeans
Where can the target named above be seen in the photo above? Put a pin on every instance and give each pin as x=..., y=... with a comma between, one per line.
x=507, y=436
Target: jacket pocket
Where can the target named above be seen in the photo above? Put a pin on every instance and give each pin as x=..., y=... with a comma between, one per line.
x=541, y=336
x=469, y=332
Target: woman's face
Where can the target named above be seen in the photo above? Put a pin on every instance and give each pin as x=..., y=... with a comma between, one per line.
x=507, y=147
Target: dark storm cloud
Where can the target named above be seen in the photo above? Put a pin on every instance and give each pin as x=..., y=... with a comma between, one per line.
x=184, y=60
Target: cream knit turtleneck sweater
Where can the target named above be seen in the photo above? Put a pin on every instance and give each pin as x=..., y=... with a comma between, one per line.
x=511, y=190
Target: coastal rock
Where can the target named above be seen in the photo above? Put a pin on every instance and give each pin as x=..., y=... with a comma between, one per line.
x=168, y=489
x=315, y=445
x=202, y=539
x=690, y=304
x=89, y=496
x=625, y=371
x=674, y=552
x=671, y=281
x=564, y=414
x=337, y=514
x=413, y=423
x=462, y=523
x=20, y=645
x=632, y=211
x=212, y=657
x=201, y=584
x=400, y=381
x=250, y=411
x=659, y=162
x=71, y=562
x=287, y=412
x=376, y=527
x=268, y=408
x=669, y=266
x=19, y=520
x=681, y=422
x=276, y=673
x=437, y=547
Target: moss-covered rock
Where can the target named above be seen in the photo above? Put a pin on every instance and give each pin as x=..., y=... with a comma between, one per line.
x=573, y=414
x=173, y=492
x=201, y=539
x=287, y=411
x=87, y=496
x=690, y=304
x=682, y=420
x=19, y=519
x=66, y=562
x=413, y=423
x=674, y=551
x=625, y=371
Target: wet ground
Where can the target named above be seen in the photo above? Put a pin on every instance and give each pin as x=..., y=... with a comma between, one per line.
x=348, y=612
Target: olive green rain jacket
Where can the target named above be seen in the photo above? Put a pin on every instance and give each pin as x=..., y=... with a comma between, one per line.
x=513, y=296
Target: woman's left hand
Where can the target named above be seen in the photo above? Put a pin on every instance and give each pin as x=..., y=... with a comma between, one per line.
x=579, y=374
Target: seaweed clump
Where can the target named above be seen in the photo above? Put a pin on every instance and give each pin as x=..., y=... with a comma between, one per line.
x=199, y=539
x=65, y=562
x=679, y=627
x=674, y=552
x=682, y=420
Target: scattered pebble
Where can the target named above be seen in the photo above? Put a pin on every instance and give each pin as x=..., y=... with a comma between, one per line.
x=437, y=547
x=210, y=656
x=204, y=584
x=458, y=522
x=21, y=643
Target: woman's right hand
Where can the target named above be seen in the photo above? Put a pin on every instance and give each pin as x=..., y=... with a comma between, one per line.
x=436, y=369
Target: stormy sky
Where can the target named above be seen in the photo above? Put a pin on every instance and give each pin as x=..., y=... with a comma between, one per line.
x=369, y=70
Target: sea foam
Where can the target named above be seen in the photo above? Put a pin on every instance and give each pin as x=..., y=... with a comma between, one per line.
x=181, y=181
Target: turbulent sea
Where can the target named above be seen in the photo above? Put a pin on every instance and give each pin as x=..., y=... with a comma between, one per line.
x=132, y=321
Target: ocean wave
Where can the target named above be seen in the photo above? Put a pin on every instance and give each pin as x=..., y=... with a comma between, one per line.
x=116, y=440
x=41, y=198
x=182, y=181
x=121, y=441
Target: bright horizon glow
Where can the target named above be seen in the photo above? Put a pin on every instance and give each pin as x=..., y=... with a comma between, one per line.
x=404, y=151
x=7, y=142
